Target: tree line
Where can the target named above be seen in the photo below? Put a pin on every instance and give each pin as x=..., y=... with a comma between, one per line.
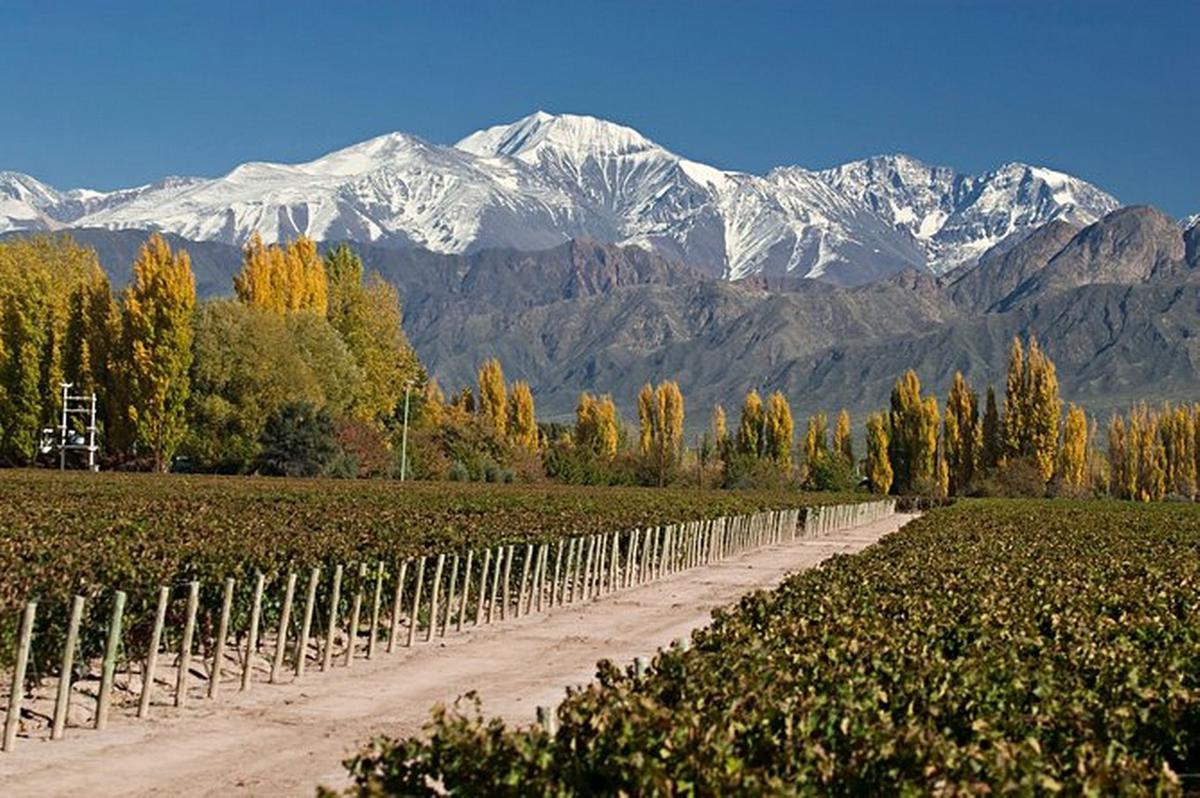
x=306, y=370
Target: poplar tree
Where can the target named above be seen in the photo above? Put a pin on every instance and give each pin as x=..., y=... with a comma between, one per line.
x=914, y=435
x=522, y=426
x=1118, y=458
x=1043, y=410
x=156, y=346
x=1015, y=393
x=749, y=435
x=282, y=278
x=780, y=429
x=720, y=432
x=1073, y=457
x=991, y=450
x=816, y=439
x=961, y=434
x=596, y=425
x=660, y=412
x=493, y=396
x=879, y=466
x=843, y=440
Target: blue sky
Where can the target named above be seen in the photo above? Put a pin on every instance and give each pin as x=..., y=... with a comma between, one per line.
x=119, y=93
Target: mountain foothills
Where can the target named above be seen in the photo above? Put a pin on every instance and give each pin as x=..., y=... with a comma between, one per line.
x=546, y=179
x=1115, y=303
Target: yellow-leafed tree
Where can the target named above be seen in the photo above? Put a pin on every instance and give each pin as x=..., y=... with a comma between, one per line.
x=1043, y=410
x=596, y=425
x=780, y=429
x=660, y=413
x=1073, y=457
x=879, y=467
x=816, y=439
x=283, y=278
x=493, y=396
x=156, y=341
x=522, y=427
x=843, y=438
x=1016, y=392
x=749, y=434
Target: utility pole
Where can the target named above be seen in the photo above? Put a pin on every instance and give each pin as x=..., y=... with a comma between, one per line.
x=404, y=435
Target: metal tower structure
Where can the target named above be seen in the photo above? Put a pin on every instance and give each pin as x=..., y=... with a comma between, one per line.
x=70, y=439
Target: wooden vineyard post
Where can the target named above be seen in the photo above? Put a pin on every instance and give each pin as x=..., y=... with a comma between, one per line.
x=63, y=698
x=160, y=618
x=508, y=560
x=108, y=668
x=415, y=606
x=568, y=589
x=397, y=598
x=450, y=594
x=185, y=645
x=376, y=598
x=310, y=605
x=613, y=558
x=252, y=632
x=466, y=593
x=335, y=598
x=483, y=577
x=497, y=574
x=433, y=598
x=521, y=588
x=539, y=579
x=602, y=545
x=640, y=666
x=285, y=617
x=545, y=719
x=355, y=613
x=214, y=680
x=558, y=559
x=12, y=718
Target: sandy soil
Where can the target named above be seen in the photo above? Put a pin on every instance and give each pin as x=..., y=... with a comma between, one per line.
x=286, y=739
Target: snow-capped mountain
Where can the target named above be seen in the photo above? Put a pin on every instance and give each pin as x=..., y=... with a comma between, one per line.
x=1191, y=221
x=548, y=178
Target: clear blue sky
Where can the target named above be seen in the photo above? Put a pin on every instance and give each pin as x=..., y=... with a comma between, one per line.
x=109, y=94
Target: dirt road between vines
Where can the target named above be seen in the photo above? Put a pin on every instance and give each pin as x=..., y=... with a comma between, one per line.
x=287, y=739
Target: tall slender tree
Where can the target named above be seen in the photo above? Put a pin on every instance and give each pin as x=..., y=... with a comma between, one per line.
x=522, y=426
x=750, y=427
x=157, y=347
x=843, y=440
x=879, y=466
x=493, y=396
x=779, y=431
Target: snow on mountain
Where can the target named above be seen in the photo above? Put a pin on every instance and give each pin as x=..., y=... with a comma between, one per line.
x=1191, y=221
x=547, y=178
x=955, y=218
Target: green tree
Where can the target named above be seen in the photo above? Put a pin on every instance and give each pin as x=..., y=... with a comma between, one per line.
x=297, y=441
x=991, y=450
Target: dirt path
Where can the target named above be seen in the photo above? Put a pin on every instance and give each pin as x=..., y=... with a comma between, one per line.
x=286, y=739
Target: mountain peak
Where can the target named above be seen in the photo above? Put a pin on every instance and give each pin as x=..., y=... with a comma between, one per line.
x=574, y=133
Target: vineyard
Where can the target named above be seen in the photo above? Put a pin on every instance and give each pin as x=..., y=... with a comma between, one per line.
x=251, y=579
x=993, y=646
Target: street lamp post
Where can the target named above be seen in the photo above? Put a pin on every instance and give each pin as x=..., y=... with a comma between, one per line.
x=404, y=435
